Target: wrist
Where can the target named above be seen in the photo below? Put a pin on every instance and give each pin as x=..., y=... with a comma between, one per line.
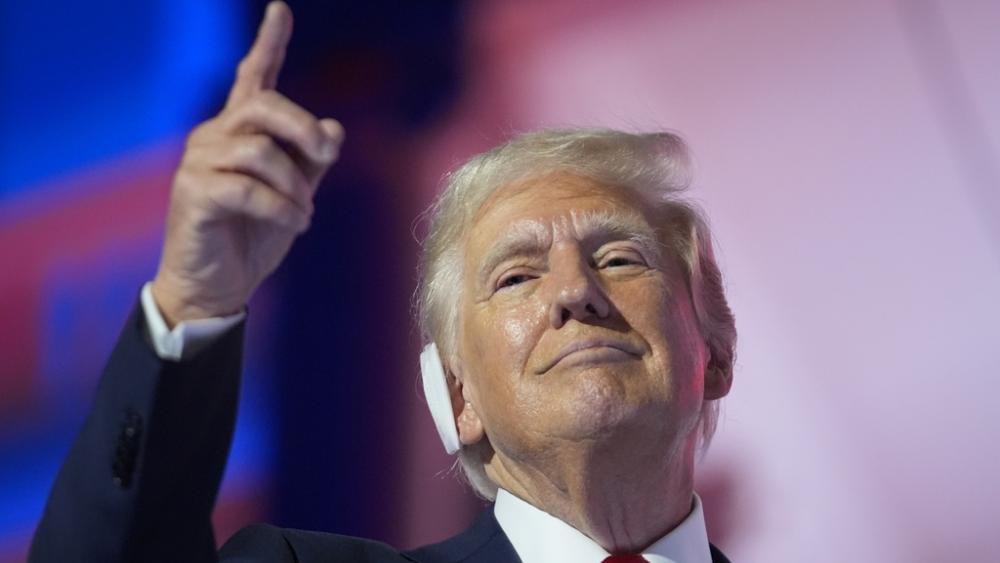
x=176, y=307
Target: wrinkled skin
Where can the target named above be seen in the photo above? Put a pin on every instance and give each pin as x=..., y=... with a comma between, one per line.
x=604, y=437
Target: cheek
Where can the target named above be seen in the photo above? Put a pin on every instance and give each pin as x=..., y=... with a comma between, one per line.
x=517, y=329
x=515, y=323
x=647, y=309
x=667, y=322
x=503, y=340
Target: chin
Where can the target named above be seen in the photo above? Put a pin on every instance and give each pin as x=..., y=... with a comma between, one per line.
x=598, y=405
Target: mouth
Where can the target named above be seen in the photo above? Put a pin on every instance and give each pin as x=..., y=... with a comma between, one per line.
x=590, y=350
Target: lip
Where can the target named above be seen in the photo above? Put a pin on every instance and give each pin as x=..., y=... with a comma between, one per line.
x=587, y=344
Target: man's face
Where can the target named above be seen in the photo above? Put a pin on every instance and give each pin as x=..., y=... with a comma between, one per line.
x=576, y=322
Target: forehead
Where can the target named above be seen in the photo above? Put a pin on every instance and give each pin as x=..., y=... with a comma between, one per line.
x=551, y=200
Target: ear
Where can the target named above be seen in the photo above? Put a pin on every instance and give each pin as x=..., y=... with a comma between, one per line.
x=470, y=426
x=718, y=377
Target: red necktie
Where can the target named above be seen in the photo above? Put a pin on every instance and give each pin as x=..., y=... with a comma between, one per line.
x=632, y=558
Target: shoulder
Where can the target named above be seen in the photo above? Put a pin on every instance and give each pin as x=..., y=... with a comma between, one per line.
x=483, y=541
x=264, y=542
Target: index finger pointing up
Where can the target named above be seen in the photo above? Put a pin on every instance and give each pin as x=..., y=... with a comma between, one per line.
x=260, y=67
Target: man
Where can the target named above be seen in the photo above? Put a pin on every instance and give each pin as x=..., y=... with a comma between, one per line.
x=578, y=340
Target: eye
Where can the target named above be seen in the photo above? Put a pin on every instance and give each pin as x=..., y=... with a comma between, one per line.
x=512, y=280
x=618, y=260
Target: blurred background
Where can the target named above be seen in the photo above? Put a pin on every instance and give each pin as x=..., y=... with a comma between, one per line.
x=848, y=154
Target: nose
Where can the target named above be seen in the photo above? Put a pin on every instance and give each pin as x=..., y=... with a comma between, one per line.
x=578, y=295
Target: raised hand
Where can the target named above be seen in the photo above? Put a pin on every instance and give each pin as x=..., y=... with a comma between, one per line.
x=244, y=188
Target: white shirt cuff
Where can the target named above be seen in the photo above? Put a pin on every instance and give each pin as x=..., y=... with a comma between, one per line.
x=188, y=337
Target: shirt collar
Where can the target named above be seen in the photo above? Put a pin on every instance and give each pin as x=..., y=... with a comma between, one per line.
x=539, y=537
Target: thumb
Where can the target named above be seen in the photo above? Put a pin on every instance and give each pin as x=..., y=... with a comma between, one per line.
x=333, y=129
x=334, y=133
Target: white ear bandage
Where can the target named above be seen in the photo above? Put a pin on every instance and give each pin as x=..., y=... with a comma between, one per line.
x=438, y=397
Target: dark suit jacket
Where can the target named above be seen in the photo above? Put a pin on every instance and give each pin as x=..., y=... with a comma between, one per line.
x=140, y=480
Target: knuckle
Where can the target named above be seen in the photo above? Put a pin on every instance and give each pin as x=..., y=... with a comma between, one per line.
x=235, y=196
x=289, y=218
x=198, y=133
x=256, y=148
x=182, y=181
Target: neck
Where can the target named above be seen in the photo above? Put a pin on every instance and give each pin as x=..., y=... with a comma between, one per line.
x=622, y=500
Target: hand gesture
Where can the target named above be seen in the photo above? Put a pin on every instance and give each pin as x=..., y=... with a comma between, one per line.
x=244, y=188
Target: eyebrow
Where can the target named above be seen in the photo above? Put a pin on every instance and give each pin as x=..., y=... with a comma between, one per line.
x=530, y=237
x=522, y=238
x=617, y=225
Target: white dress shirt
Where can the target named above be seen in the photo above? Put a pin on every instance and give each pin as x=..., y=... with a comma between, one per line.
x=188, y=336
x=537, y=537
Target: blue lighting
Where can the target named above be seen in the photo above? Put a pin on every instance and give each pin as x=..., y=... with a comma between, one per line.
x=86, y=81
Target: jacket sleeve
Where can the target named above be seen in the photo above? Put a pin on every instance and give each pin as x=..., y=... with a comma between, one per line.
x=140, y=481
